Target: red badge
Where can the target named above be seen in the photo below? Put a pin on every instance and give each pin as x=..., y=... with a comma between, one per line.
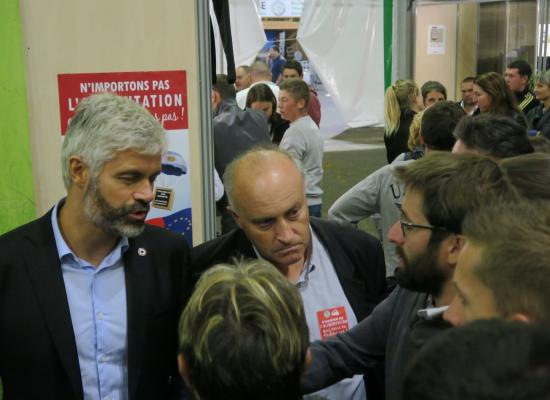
x=332, y=321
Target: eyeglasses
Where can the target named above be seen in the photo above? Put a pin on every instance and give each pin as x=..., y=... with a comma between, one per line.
x=408, y=226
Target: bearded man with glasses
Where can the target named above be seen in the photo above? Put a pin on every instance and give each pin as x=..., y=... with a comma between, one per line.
x=440, y=190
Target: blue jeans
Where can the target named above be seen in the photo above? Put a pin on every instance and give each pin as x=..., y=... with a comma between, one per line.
x=315, y=211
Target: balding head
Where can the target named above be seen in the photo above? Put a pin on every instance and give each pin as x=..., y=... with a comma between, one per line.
x=265, y=188
x=260, y=72
x=257, y=168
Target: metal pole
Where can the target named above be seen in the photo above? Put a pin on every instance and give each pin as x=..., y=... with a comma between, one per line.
x=205, y=106
x=545, y=34
x=538, y=37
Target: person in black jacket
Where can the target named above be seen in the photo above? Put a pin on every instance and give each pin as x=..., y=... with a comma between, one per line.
x=487, y=359
x=517, y=77
x=339, y=270
x=90, y=294
x=235, y=131
x=401, y=102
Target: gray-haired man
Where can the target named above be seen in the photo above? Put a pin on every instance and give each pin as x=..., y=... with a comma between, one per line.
x=90, y=296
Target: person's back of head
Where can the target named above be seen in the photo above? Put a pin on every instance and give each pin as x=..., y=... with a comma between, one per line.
x=453, y=185
x=223, y=87
x=529, y=174
x=243, y=334
x=259, y=71
x=513, y=261
x=399, y=97
x=438, y=124
x=540, y=144
x=489, y=359
x=493, y=135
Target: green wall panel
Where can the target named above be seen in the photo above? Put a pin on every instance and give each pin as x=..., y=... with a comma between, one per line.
x=17, y=204
x=388, y=37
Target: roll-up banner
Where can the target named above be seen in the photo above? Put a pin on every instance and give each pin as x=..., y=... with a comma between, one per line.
x=164, y=94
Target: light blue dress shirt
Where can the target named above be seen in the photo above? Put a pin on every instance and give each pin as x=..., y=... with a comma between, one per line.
x=97, y=302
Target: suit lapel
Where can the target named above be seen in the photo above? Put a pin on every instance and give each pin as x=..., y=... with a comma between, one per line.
x=243, y=247
x=138, y=267
x=341, y=263
x=344, y=267
x=44, y=268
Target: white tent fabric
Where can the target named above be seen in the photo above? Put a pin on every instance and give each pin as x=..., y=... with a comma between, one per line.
x=247, y=33
x=344, y=41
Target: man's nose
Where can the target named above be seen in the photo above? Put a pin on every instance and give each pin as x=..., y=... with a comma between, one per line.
x=395, y=234
x=285, y=232
x=145, y=192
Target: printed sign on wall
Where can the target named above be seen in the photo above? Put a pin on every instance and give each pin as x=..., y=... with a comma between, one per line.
x=436, y=39
x=164, y=94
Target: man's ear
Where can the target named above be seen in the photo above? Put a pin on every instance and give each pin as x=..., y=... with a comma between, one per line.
x=78, y=171
x=215, y=99
x=301, y=104
x=184, y=371
x=421, y=138
x=234, y=215
x=453, y=246
x=520, y=317
x=307, y=360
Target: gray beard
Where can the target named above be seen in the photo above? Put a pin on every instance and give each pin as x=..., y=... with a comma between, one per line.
x=110, y=219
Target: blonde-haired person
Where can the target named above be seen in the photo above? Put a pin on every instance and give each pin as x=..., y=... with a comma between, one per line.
x=539, y=117
x=414, y=141
x=415, y=145
x=243, y=334
x=401, y=102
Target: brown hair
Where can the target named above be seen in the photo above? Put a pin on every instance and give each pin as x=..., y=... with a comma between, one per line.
x=262, y=92
x=529, y=174
x=454, y=185
x=503, y=100
x=297, y=88
x=515, y=259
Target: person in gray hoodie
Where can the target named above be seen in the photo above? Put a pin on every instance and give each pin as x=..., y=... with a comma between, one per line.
x=382, y=193
x=302, y=139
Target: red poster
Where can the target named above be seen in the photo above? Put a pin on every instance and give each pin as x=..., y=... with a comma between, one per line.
x=163, y=93
x=332, y=321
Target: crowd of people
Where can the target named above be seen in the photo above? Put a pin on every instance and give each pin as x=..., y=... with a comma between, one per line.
x=452, y=301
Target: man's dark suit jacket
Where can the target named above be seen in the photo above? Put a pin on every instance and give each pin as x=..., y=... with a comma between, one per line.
x=357, y=258
x=38, y=355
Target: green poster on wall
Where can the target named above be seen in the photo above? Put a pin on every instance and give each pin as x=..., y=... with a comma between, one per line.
x=17, y=204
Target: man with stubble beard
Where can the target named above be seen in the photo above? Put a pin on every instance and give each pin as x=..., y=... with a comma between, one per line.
x=440, y=189
x=89, y=294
